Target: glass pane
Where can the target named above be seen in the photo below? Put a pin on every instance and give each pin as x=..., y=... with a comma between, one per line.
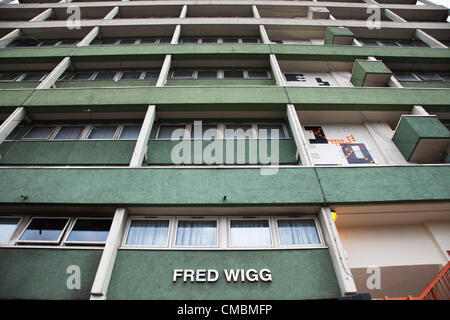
x=13, y=133
x=197, y=233
x=239, y=131
x=369, y=42
x=68, y=42
x=33, y=77
x=148, y=232
x=298, y=232
x=130, y=132
x=233, y=74
x=108, y=42
x=207, y=74
x=445, y=76
x=165, y=40
x=190, y=40
x=109, y=75
x=44, y=229
x=9, y=76
x=250, y=40
x=182, y=74
x=69, y=133
x=209, y=131
x=148, y=41
x=171, y=132
x=405, y=43
x=7, y=228
x=103, y=132
x=250, y=233
x=405, y=77
x=257, y=74
x=81, y=76
x=274, y=131
x=39, y=133
x=90, y=230
x=419, y=43
x=95, y=42
x=131, y=75
x=209, y=40
x=230, y=40
x=429, y=77
x=151, y=75
x=127, y=41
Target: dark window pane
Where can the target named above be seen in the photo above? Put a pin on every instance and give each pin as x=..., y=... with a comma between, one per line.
x=419, y=43
x=148, y=41
x=405, y=77
x=81, y=76
x=165, y=40
x=445, y=76
x=90, y=230
x=103, y=132
x=230, y=40
x=233, y=74
x=209, y=131
x=69, y=133
x=13, y=133
x=207, y=74
x=127, y=41
x=68, y=42
x=209, y=40
x=405, y=43
x=41, y=132
x=239, y=131
x=41, y=229
x=182, y=74
x=33, y=77
x=190, y=40
x=106, y=42
x=250, y=40
x=130, y=132
x=167, y=131
x=257, y=74
x=270, y=131
x=429, y=77
x=131, y=75
x=49, y=43
x=151, y=75
x=369, y=42
x=9, y=76
x=105, y=75
x=390, y=43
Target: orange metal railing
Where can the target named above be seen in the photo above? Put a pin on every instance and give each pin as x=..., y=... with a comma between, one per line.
x=438, y=289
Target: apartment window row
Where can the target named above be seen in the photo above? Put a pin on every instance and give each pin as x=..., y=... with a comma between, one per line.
x=117, y=42
x=223, y=232
x=33, y=42
x=209, y=131
x=110, y=75
x=78, y=132
x=393, y=43
x=220, y=74
x=56, y=231
x=195, y=40
x=412, y=76
x=22, y=77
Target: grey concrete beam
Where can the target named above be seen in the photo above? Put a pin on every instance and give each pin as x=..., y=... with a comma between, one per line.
x=10, y=37
x=50, y=80
x=89, y=37
x=140, y=148
x=43, y=16
x=432, y=42
x=11, y=123
x=299, y=135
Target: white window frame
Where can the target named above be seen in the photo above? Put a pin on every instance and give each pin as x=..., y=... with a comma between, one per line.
x=73, y=221
x=16, y=228
x=122, y=126
x=52, y=133
x=58, y=128
x=246, y=218
x=115, y=136
x=42, y=242
x=194, y=218
x=169, y=232
x=309, y=246
x=21, y=79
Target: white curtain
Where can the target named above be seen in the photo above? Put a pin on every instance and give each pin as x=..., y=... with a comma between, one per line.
x=148, y=232
x=196, y=233
x=250, y=233
x=298, y=232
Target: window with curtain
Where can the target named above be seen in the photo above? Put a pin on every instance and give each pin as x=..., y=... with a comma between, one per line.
x=69, y=133
x=103, y=132
x=44, y=230
x=89, y=231
x=250, y=233
x=298, y=232
x=7, y=228
x=130, y=132
x=196, y=233
x=148, y=233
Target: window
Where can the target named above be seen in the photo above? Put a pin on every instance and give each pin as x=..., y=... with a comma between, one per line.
x=239, y=132
x=9, y=76
x=30, y=77
x=102, y=132
x=131, y=75
x=168, y=132
x=196, y=233
x=7, y=228
x=151, y=75
x=207, y=74
x=69, y=133
x=233, y=74
x=44, y=230
x=182, y=74
x=298, y=232
x=81, y=76
x=148, y=233
x=190, y=40
x=106, y=42
x=13, y=133
x=39, y=132
x=165, y=40
x=429, y=77
x=127, y=41
x=249, y=40
x=68, y=42
x=230, y=40
x=89, y=231
x=406, y=77
x=250, y=233
x=266, y=131
x=209, y=131
x=107, y=75
x=209, y=40
x=258, y=75
x=130, y=132
x=148, y=41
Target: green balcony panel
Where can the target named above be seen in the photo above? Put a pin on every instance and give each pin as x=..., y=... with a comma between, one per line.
x=159, y=152
x=368, y=73
x=339, y=36
x=42, y=273
x=89, y=152
x=296, y=274
x=422, y=139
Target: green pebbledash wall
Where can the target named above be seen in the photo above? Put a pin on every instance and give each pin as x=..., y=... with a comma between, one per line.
x=86, y=152
x=296, y=274
x=42, y=273
x=207, y=187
